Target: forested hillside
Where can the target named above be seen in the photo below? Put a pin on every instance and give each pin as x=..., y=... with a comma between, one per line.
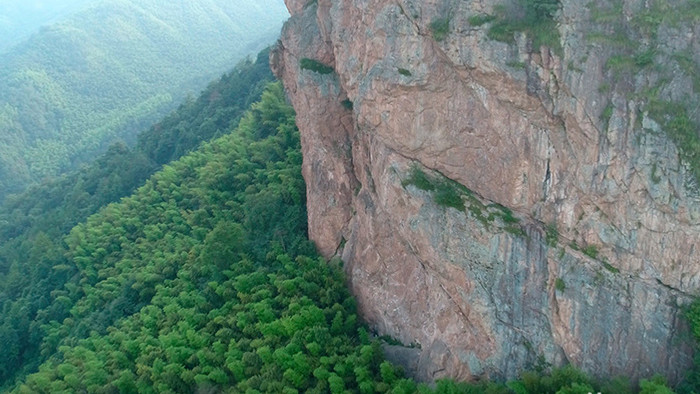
x=18, y=19
x=204, y=279
x=44, y=214
x=110, y=71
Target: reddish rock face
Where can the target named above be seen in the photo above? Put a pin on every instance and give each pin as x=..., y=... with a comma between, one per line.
x=572, y=239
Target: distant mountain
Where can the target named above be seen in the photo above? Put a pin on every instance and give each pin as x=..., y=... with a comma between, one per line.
x=107, y=72
x=19, y=19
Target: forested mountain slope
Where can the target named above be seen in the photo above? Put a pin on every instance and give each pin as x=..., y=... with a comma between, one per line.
x=111, y=70
x=204, y=280
x=43, y=215
x=18, y=19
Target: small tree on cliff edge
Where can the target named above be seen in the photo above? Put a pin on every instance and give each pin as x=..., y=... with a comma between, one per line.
x=539, y=10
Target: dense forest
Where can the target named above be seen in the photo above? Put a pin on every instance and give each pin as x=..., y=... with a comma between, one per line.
x=111, y=70
x=203, y=279
x=45, y=213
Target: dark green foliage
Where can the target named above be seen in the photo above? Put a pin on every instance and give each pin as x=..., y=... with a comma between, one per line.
x=502, y=31
x=480, y=19
x=534, y=17
x=569, y=380
x=46, y=213
x=315, y=66
x=404, y=72
x=567, y=377
x=515, y=230
x=655, y=385
x=610, y=268
x=559, y=284
x=507, y=215
x=681, y=129
x=76, y=87
x=184, y=287
x=655, y=178
x=537, y=11
x=446, y=192
x=419, y=179
x=347, y=104
x=591, y=251
x=620, y=63
x=440, y=28
x=217, y=299
x=625, y=63
x=551, y=235
x=616, y=385
x=691, y=383
x=692, y=313
x=391, y=340
x=607, y=113
x=217, y=110
x=562, y=380
x=644, y=59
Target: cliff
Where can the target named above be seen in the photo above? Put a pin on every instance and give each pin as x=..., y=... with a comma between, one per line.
x=499, y=203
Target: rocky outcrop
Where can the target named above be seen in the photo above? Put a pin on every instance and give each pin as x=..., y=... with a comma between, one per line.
x=573, y=235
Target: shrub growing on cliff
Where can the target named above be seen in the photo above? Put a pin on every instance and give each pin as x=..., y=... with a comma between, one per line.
x=552, y=235
x=559, y=284
x=448, y=195
x=693, y=315
x=446, y=192
x=538, y=11
x=419, y=179
x=315, y=66
x=440, y=27
x=533, y=17
x=404, y=72
x=591, y=251
x=480, y=19
x=681, y=129
x=638, y=49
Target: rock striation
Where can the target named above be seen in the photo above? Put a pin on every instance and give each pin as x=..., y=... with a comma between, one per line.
x=497, y=204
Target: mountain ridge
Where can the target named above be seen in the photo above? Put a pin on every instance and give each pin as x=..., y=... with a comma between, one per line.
x=110, y=71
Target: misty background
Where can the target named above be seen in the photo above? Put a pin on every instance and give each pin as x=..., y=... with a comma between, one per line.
x=79, y=75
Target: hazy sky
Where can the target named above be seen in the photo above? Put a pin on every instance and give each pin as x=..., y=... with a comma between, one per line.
x=20, y=18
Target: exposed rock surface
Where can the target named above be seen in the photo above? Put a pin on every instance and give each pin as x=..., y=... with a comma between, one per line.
x=487, y=295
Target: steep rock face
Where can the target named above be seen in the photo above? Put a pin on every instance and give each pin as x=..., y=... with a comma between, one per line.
x=577, y=238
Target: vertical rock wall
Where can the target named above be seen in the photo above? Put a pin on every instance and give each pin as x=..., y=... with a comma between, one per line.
x=577, y=240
